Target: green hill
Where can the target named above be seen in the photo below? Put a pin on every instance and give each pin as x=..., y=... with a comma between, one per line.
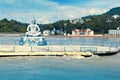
x=99, y=23
x=12, y=26
x=113, y=11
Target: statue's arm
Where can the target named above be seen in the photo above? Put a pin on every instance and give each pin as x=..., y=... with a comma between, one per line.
x=28, y=28
x=38, y=29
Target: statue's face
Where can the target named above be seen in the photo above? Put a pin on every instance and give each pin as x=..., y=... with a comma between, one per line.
x=33, y=22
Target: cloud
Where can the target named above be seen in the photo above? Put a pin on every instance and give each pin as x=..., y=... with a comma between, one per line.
x=96, y=11
x=47, y=11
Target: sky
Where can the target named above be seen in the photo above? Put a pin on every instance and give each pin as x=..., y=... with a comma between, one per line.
x=48, y=11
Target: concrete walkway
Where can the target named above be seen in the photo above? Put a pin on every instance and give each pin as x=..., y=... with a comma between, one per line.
x=55, y=48
x=73, y=50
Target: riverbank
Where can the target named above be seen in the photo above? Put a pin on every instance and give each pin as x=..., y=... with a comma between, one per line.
x=59, y=36
x=12, y=34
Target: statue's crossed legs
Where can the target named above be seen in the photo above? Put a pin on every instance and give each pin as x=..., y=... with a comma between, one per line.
x=33, y=34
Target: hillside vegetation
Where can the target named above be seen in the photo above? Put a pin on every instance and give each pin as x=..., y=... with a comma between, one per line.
x=99, y=23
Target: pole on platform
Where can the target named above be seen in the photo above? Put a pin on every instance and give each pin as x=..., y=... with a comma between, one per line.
x=64, y=49
x=31, y=48
x=48, y=49
x=13, y=48
x=80, y=49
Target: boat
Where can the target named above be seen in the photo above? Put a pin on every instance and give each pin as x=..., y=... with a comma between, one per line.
x=106, y=53
x=33, y=36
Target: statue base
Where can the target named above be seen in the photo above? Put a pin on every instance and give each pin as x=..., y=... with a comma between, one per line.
x=38, y=41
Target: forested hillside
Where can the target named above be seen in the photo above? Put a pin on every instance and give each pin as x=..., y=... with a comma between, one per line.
x=99, y=23
x=12, y=26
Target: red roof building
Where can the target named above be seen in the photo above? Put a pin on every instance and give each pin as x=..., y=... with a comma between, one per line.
x=86, y=32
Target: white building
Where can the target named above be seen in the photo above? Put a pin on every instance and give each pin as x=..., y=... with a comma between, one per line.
x=115, y=16
x=46, y=32
x=87, y=32
x=53, y=32
x=114, y=32
x=74, y=21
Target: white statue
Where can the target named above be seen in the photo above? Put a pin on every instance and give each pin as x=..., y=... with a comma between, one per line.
x=33, y=29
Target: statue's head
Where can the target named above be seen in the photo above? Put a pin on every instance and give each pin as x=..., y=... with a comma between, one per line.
x=33, y=22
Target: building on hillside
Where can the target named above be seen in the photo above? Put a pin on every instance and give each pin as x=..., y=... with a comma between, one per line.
x=114, y=32
x=115, y=16
x=74, y=21
x=46, y=32
x=89, y=32
x=85, y=32
x=53, y=31
x=87, y=19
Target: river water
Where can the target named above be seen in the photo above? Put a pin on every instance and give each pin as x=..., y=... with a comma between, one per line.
x=61, y=68
x=61, y=40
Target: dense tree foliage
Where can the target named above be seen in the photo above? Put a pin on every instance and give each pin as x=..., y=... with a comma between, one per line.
x=114, y=11
x=12, y=26
x=98, y=23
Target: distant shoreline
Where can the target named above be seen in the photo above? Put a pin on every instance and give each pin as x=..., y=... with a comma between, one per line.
x=60, y=36
x=11, y=34
x=98, y=36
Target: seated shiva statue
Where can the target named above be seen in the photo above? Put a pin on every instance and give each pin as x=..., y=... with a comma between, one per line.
x=33, y=29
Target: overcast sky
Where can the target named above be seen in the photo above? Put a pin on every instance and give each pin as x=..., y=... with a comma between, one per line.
x=46, y=11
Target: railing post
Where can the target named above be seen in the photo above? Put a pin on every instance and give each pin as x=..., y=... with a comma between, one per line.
x=109, y=48
x=13, y=48
x=96, y=49
x=48, y=49
x=110, y=45
x=80, y=49
x=31, y=48
x=64, y=49
x=15, y=42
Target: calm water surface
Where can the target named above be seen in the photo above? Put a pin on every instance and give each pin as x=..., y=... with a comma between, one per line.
x=60, y=68
x=94, y=41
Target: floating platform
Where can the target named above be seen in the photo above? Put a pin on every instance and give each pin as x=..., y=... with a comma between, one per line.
x=106, y=53
x=55, y=50
x=80, y=54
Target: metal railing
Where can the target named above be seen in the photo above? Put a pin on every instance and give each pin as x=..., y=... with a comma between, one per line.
x=59, y=46
x=17, y=48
